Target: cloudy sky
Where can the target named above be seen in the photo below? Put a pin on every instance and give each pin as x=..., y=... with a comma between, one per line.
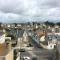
x=29, y=10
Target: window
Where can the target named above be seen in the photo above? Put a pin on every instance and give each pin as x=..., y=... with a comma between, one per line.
x=57, y=30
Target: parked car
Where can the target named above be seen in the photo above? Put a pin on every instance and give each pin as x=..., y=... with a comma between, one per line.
x=34, y=58
x=22, y=50
x=26, y=58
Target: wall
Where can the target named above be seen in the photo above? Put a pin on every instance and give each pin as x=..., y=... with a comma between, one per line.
x=9, y=56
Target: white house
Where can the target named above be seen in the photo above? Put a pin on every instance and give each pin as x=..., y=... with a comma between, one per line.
x=51, y=44
x=42, y=39
x=2, y=37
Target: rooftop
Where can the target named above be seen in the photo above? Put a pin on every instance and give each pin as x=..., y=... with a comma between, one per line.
x=1, y=33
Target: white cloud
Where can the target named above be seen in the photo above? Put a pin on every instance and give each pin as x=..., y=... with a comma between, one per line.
x=20, y=10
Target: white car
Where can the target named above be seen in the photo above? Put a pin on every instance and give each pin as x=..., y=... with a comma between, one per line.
x=26, y=58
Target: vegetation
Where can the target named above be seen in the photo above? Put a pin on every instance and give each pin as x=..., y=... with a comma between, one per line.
x=58, y=23
x=0, y=24
x=15, y=24
x=49, y=23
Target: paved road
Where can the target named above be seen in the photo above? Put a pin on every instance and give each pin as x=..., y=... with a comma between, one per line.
x=41, y=54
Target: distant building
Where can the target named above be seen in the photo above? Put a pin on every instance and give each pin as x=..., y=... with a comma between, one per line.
x=19, y=42
x=4, y=25
x=12, y=25
x=54, y=30
x=8, y=25
x=19, y=25
x=25, y=38
x=40, y=32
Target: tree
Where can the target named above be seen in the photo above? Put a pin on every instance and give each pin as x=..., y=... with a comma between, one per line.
x=58, y=23
x=49, y=23
x=15, y=24
x=0, y=24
